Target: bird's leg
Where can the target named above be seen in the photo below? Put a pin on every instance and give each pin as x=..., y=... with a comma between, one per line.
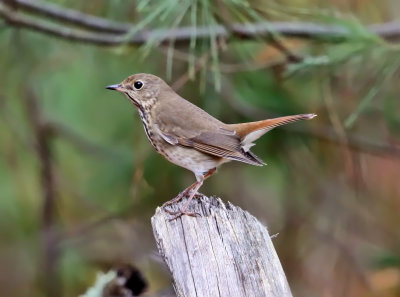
x=180, y=195
x=178, y=198
x=193, y=188
x=188, y=189
x=207, y=175
x=183, y=210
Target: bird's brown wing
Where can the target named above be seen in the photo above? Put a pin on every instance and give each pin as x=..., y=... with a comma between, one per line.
x=216, y=143
x=201, y=131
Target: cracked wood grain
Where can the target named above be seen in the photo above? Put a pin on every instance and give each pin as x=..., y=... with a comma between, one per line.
x=225, y=252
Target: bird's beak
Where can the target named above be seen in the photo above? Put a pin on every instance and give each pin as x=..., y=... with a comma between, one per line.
x=116, y=87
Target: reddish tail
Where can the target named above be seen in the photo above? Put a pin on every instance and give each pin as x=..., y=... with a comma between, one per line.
x=250, y=132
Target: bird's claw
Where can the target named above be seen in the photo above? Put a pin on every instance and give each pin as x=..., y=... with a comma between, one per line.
x=177, y=214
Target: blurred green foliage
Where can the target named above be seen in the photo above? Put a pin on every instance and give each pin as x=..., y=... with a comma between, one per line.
x=331, y=186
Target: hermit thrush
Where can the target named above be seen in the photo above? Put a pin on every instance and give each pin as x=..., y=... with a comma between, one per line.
x=188, y=136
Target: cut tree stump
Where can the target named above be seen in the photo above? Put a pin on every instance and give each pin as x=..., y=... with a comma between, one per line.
x=225, y=252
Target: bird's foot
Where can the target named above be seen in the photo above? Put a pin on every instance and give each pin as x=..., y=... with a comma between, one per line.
x=184, y=193
x=175, y=200
x=177, y=214
x=191, y=192
x=197, y=195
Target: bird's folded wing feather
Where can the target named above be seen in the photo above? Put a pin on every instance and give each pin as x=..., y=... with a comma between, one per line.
x=202, y=132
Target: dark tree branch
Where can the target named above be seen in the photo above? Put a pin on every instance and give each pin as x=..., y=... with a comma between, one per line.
x=99, y=24
x=42, y=144
x=71, y=16
x=389, y=31
x=18, y=20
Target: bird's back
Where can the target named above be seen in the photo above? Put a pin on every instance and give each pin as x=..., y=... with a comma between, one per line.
x=178, y=116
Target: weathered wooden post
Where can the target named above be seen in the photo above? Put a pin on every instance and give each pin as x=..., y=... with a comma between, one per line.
x=224, y=253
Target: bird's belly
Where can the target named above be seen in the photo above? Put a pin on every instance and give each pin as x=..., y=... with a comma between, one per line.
x=188, y=158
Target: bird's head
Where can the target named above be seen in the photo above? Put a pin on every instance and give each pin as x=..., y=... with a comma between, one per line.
x=142, y=88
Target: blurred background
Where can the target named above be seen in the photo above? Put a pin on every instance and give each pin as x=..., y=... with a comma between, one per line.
x=79, y=180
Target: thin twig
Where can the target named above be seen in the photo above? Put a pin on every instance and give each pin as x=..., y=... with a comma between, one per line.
x=291, y=57
x=231, y=68
x=199, y=64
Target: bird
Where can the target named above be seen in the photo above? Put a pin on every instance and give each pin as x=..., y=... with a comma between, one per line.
x=188, y=136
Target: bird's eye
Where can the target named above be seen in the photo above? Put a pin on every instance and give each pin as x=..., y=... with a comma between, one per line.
x=138, y=85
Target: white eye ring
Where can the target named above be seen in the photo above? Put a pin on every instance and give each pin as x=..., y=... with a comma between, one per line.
x=138, y=85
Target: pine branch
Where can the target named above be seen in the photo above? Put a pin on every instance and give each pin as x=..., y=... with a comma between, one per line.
x=183, y=35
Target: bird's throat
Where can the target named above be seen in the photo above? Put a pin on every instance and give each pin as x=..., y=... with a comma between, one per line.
x=133, y=100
